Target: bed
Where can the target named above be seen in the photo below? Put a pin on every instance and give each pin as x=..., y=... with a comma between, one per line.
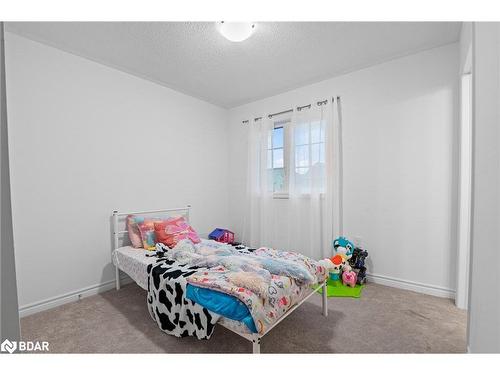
x=135, y=262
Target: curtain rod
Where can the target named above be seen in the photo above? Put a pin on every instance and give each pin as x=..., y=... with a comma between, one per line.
x=300, y=108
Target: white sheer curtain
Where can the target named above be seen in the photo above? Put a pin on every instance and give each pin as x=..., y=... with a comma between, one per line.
x=294, y=179
x=259, y=227
x=309, y=203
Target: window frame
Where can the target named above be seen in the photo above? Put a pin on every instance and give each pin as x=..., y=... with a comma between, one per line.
x=284, y=124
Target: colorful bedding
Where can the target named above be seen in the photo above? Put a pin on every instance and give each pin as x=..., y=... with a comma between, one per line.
x=267, y=281
x=199, y=283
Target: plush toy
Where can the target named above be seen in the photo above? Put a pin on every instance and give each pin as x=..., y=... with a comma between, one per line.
x=358, y=258
x=346, y=268
x=357, y=262
x=343, y=247
x=349, y=278
x=361, y=273
x=337, y=261
x=326, y=263
x=325, y=266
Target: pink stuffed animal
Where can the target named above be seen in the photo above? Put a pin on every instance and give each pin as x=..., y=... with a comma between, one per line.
x=349, y=278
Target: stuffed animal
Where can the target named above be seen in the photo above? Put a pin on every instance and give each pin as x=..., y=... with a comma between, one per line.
x=358, y=258
x=349, y=278
x=337, y=261
x=361, y=275
x=327, y=264
x=357, y=262
x=343, y=247
x=346, y=268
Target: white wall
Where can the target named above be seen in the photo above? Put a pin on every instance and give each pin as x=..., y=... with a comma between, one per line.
x=86, y=139
x=400, y=164
x=484, y=300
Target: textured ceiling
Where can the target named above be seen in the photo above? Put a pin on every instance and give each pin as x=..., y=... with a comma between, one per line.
x=195, y=59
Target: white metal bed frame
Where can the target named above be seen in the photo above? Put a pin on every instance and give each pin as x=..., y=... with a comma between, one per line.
x=255, y=338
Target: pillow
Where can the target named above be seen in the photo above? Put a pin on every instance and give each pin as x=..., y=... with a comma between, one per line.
x=133, y=230
x=147, y=229
x=169, y=232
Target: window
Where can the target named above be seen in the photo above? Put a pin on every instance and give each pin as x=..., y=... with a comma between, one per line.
x=309, y=139
x=276, y=157
x=308, y=161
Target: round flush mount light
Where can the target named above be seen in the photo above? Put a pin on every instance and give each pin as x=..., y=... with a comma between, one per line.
x=236, y=31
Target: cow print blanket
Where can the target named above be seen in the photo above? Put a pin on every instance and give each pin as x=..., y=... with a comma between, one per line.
x=168, y=306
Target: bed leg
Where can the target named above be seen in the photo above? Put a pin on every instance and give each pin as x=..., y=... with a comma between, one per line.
x=324, y=299
x=256, y=345
x=117, y=278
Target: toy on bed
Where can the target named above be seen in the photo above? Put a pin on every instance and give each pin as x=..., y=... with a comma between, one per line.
x=222, y=235
x=343, y=247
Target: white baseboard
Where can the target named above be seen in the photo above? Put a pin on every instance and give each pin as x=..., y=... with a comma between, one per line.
x=432, y=290
x=70, y=297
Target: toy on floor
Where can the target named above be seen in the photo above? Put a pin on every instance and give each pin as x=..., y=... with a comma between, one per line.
x=358, y=258
x=343, y=247
x=361, y=275
x=338, y=263
x=357, y=262
x=346, y=268
x=326, y=266
x=326, y=263
x=349, y=278
x=337, y=289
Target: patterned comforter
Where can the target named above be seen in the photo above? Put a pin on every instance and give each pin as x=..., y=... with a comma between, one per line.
x=268, y=281
x=266, y=299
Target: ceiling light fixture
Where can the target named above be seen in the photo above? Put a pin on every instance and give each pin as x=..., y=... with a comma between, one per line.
x=236, y=31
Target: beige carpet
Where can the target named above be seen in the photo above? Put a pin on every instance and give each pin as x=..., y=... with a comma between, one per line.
x=384, y=320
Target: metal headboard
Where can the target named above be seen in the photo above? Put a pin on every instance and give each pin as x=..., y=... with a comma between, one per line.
x=116, y=216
